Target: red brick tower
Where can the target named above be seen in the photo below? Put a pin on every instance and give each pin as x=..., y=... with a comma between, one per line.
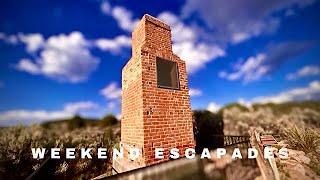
x=156, y=110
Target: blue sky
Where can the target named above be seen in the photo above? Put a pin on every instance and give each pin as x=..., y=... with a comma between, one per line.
x=59, y=58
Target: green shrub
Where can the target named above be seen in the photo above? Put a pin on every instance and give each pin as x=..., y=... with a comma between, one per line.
x=108, y=120
x=207, y=126
x=76, y=122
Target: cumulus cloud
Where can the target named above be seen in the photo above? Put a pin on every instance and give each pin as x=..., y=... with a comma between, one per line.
x=65, y=58
x=123, y=16
x=261, y=65
x=38, y=116
x=77, y=107
x=113, y=45
x=186, y=42
x=311, y=70
x=237, y=21
x=213, y=107
x=197, y=55
x=195, y=92
x=105, y=7
x=111, y=91
x=187, y=45
x=252, y=69
x=28, y=66
x=35, y=115
x=11, y=39
x=311, y=92
x=33, y=41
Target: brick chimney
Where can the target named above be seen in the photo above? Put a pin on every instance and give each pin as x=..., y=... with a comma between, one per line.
x=156, y=110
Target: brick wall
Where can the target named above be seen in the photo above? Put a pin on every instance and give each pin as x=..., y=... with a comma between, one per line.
x=154, y=117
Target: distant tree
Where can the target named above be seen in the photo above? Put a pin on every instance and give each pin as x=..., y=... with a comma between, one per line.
x=76, y=122
x=108, y=120
x=208, y=129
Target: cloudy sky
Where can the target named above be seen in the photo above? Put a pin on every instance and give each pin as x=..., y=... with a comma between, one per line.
x=60, y=58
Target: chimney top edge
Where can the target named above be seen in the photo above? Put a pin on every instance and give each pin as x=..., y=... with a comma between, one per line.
x=156, y=21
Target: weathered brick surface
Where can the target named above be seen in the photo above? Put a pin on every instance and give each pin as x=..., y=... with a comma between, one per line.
x=154, y=117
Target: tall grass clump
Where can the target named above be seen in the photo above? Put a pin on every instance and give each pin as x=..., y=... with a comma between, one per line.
x=307, y=139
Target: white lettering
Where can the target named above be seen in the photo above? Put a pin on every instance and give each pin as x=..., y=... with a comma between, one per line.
x=102, y=153
x=86, y=153
x=70, y=153
x=268, y=153
x=205, y=153
x=117, y=153
x=174, y=153
x=252, y=153
x=38, y=153
x=134, y=153
x=159, y=153
x=283, y=153
x=190, y=153
x=236, y=154
x=221, y=152
x=55, y=153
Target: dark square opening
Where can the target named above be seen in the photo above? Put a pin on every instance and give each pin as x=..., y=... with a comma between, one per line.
x=167, y=74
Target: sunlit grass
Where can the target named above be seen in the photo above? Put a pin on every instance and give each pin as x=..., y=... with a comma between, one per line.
x=307, y=140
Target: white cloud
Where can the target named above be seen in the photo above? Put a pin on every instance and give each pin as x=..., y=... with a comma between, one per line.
x=310, y=70
x=111, y=105
x=77, y=107
x=187, y=46
x=38, y=116
x=311, y=92
x=11, y=39
x=195, y=92
x=118, y=116
x=213, y=107
x=105, y=7
x=123, y=16
x=65, y=58
x=256, y=67
x=197, y=55
x=113, y=45
x=185, y=40
x=28, y=66
x=111, y=91
x=238, y=37
x=180, y=31
x=33, y=41
x=244, y=102
x=252, y=69
x=237, y=21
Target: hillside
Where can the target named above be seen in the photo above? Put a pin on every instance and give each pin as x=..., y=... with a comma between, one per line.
x=271, y=117
x=233, y=119
x=80, y=122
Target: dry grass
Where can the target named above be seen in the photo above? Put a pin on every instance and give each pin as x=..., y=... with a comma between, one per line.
x=307, y=140
x=16, y=142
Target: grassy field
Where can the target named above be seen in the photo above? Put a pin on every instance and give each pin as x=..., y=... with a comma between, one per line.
x=16, y=161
